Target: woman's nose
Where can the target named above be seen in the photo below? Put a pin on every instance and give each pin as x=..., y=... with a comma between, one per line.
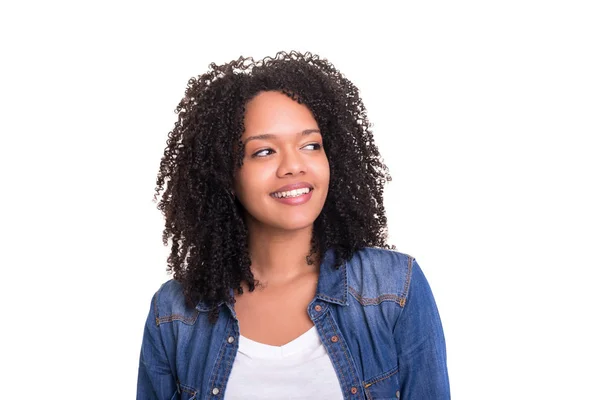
x=292, y=163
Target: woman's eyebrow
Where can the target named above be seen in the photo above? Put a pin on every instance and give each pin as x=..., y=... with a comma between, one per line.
x=265, y=136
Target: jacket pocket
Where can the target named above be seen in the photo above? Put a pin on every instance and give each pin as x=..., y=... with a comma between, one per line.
x=383, y=387
x=184, y=392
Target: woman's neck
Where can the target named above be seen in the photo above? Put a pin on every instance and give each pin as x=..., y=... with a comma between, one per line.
x=280, y=256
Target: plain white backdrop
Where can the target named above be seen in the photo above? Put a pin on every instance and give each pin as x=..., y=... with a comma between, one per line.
x=487, y=114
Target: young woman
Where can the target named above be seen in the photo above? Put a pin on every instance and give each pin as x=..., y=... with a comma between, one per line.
x=284, y=286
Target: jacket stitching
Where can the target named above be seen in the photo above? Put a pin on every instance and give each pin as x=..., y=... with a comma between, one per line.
x=178, y=317
x=156, y=310
x=325, y=297
x=376, y=380
x=342, y=344
x=216, y=367
x=342, y=375
x=173, y=317
x=229, y=364
x=187, y=389
x=372, y=301
x=344, y=299
x=407, y=281
x=381, y=377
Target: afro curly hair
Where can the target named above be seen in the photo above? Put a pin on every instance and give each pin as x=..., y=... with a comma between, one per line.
x=209, y=253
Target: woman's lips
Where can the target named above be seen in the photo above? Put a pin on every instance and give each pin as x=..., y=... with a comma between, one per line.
x=295, y=201
x=293, y=186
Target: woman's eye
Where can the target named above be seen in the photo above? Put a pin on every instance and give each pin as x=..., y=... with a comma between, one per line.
x=315, y=146
x=262, y=153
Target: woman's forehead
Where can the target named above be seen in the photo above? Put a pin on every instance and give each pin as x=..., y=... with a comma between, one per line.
x=274, y=113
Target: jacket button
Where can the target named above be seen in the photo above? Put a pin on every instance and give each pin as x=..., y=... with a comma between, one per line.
x=398, y=394
x=318, y=308
x=230, y=339
x=354, y=390
x=334, y=339
x=215, y=391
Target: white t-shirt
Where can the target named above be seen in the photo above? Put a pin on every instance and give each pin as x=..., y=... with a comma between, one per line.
x=300, y=369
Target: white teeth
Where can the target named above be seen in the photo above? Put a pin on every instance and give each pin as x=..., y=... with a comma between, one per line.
x=292, y=193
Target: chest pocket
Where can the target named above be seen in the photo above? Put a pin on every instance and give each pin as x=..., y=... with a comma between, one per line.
x=384, y=387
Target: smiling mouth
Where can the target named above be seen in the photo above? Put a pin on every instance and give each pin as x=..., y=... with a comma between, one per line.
x=291, y=193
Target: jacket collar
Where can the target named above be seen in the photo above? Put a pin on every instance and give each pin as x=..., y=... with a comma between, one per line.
x=333, y=283
x=332, y=286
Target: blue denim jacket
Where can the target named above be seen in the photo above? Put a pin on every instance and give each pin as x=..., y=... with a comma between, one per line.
x=376, y=317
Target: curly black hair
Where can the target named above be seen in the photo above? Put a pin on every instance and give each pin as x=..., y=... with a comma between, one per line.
x=209, y=254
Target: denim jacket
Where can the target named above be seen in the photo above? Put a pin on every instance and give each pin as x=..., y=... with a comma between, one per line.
x=375, y=315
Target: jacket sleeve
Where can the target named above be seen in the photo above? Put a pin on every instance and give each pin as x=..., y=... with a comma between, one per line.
x=420, y=343
x=155, y=379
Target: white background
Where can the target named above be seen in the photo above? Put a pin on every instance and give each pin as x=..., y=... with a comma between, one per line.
x=487, y=114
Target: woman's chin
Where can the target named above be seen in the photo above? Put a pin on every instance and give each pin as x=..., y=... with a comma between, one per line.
x=291, y=220
x=290, y=224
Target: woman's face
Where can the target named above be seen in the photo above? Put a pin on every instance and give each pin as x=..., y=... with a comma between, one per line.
x=282, y=146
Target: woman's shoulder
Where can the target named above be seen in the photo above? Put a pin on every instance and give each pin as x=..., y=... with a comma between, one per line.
x=382, y=261
x=169, y=303
x=378, y=274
